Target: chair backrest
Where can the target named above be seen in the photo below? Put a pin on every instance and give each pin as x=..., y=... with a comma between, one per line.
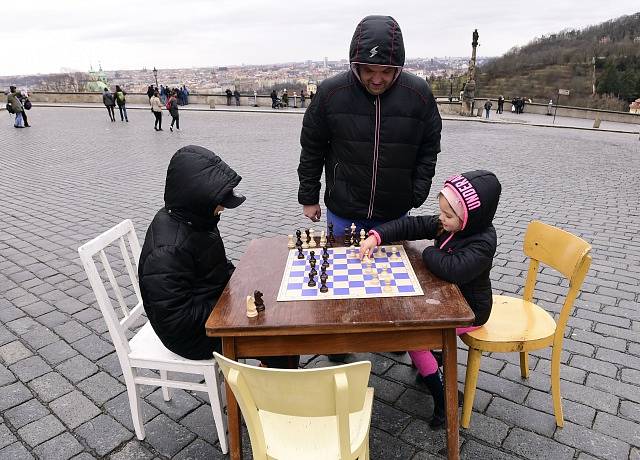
x=129, y=256
x=562, y=251
x=331, y=391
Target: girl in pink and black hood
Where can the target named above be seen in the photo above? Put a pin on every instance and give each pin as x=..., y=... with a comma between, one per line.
x=464, y=246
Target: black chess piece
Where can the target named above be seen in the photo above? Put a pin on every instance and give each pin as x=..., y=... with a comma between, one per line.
x=313, y=272
x=312, y=263
x=323, y=282
x=325, y=261
x=298, y=238
x=312, y=255
x=324, y=265
x=356, y=240
x=325, y=252
x=257, y=295
x=308, y=235
x=331, y=239
x=311, y=282
x=300, y=253
x=347, y=237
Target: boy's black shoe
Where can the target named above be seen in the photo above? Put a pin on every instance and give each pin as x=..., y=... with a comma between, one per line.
x=438, y=420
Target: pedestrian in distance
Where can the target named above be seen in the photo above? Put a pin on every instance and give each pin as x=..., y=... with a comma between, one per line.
x=122, y=103
x=285, y=98
x=18, y=103
x=229, y=96
x=500, y=104
x=274, y=99
x=172, y=105
x=150, y=92
x=109, y=102
x=487, y=108
x=303, y=98
x=236, y=96
x=156, y=109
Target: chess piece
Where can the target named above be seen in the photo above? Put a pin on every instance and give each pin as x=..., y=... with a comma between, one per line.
x=291, y=243
x=257, y=300
x=312, y=256
x=313, y=272
x=325, y=263
x=395, y=255
x=356, y=241
x=252, y=312
x=323, y=282
x=300, y=253
x=347, y=237
x=363, y=235
x=325, y=251
x=387, y=284
x=298, y=238
x=367, y=265
x=353, y=228
x=323, y=239
x=312, y=240
x=312, y=263
x=312, y=281
x=305, y=245
x=331, y=239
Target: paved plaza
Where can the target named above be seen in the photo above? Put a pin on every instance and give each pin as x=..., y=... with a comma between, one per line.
x=74, y=174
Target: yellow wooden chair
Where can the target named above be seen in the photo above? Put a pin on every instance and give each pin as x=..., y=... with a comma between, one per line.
x=518, y=325
x=319, y=414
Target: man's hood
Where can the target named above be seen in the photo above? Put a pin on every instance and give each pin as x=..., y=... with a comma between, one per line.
x=377, y=41
x=479, y=193
x=197, y=182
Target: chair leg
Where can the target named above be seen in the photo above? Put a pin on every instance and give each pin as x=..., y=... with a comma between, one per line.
x=135, y=402
x=166, y=391
x=470, y=382
x=555, y=386
x=215, y=397
x=524, y=364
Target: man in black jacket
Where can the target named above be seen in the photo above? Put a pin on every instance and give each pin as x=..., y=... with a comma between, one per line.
x=376, y=132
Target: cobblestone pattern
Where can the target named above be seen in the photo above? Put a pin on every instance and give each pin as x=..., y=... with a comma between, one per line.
x=74, y=174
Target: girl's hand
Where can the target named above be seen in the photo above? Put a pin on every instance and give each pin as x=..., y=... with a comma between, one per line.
x=367, y=246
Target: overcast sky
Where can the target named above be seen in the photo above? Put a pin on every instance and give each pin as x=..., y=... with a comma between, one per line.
x=47, y=35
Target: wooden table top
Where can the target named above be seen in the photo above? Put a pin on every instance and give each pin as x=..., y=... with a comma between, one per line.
x=261, y=268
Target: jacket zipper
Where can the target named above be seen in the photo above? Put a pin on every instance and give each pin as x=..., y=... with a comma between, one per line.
x=335, y=170
x=376, y=145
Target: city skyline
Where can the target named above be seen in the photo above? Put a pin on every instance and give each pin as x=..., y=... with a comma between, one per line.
x=75, y=35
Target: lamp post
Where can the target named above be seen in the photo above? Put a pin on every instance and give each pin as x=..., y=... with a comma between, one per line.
x=450, y=87
x=155, y=75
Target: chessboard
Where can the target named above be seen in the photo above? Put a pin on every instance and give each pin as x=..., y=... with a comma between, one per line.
x=347, y=277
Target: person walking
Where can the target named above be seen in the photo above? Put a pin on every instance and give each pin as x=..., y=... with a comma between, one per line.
x=15, y=99
x=500, y=104
x=122, y=103
x=303, y=98
x=109, y=102
x=274, y=99
x=156, y=109
x=150, y=92
x=285, y=98
x=229, y=96
x=487, y=108
x=172, y=104
x=236, y=96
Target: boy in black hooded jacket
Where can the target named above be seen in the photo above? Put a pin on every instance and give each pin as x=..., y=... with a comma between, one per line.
x=183, y=266
x=464, y=246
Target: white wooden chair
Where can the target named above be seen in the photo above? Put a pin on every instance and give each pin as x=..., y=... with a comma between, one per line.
x=144, y=350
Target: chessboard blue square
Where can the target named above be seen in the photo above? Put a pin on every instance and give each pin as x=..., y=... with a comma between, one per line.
x=381, y=260
x=297, y=262
x=341, y=278
x=407, y=288
x=296, y=274
x=355, y=271
x=310, y=292
x=397, y=264
x=339, y=256
x=356, y=283
x=341, y=291
x=373, y=290
x=292, y=286
x=401, y=276
x=339, y=266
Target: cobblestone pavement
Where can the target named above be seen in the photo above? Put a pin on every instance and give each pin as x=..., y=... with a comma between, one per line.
x=74, y=174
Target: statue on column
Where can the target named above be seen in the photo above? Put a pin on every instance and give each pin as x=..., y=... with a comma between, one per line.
x=468, y=95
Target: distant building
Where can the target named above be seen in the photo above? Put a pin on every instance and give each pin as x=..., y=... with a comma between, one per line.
x=97, y=81
x=312, y=86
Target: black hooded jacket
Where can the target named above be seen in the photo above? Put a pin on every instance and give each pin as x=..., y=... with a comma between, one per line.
x=183, y=267
x=379, y=152
x=465, y=257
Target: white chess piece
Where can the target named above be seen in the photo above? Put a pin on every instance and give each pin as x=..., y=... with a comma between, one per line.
x=363, y=236
x=291, y=243
x=252, y=312
x=353, y=228
x=387, y=284
x=312, y=241
x=323, y=239
x=305, y=243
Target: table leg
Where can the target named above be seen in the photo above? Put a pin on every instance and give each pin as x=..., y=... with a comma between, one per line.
x=451, y=391
x=233, y=411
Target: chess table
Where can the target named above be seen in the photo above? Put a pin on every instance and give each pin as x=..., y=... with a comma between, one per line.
x=337, y=325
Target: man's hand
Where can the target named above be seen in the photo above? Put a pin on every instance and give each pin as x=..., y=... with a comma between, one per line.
x=312, y=211
x=366, y=247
